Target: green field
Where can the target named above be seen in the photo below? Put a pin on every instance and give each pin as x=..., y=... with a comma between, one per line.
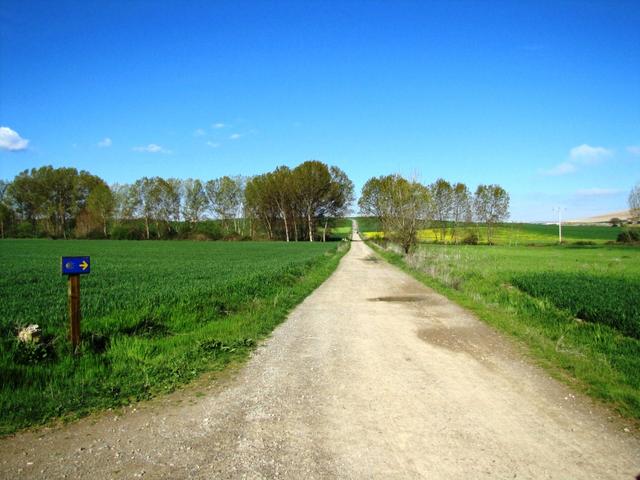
x=513, y=233
x=577, y=309
x=341, y=228
x=155, y=315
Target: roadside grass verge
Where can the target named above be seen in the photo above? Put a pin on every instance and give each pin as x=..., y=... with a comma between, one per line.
x=596, y=358
x=178, y=310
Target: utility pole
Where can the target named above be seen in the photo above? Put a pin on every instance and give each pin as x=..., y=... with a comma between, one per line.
x=559, y=209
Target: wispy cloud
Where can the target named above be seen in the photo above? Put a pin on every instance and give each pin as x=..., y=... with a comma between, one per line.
x=587, y=154
x=598, y=192
x=10, y=140
x=634, y=149
x=560, y=169
x=199, y=132
x=151, y=148
x=235, y=136
x=105, y=143
x=213, y=144
x=579, y=156
x=218, y=125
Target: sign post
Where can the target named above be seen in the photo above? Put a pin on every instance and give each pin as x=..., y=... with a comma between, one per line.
x=73, y=267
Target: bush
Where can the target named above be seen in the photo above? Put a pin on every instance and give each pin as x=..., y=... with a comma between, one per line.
x=232, y=237
x=208, y=228
x=95, y=235
x=126, y=232
x=471, y=239
x=629, y=236
x=24, y=230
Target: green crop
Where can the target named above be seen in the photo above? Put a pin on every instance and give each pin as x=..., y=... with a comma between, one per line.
x=154, y=315
x=608, y=300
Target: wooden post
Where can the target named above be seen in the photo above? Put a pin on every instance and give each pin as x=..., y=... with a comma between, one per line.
x=74, y=311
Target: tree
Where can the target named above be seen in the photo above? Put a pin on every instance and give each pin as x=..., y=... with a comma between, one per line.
x=6, y=214
x=460, y=208
x=26, y=197
x=259, y=201
x=288, y=202
x=402, y=207
x=491, y=205
x=143, y=197
x=52, y=197
x=225, y=198
x=100, y=204
x=442, y=205
x=170, y=199
x=280, y=189
x=312, y=180
x=195, y=200
x=125, y=201
x=339, y=198
x=634, y=202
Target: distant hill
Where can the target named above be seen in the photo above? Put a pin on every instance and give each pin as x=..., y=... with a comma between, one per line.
x=604, y=218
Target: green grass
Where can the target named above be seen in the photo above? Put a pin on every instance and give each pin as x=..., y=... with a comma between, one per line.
x=604, y=299
x=340, y=228
x=155, y=315
x=514, y=234
x=368, y=224
x=599, y=357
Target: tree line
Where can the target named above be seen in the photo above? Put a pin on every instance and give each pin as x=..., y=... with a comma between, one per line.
x=404, y=207
x=288, y=204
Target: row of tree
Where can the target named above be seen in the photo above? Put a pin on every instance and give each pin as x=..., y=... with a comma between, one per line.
x=286, y=204
x=404, y=207
x=291, y=203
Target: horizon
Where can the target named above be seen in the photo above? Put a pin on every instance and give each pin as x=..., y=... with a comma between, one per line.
x=538, y=97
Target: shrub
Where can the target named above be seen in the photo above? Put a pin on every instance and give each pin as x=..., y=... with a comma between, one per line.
x=471, y=239
x=126, y=232
x=232, y=237
x=629, y=236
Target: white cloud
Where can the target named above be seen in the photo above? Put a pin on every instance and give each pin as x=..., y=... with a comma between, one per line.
x=634, y=149
x=199, y=132
x=213, y=144
x=104, y=143
x=581, y=155
x=218, y=125
x=598, y=192
x=235, y=136
x=11, y=140
x=560, y=169
x=151, y=148
x=587, y=154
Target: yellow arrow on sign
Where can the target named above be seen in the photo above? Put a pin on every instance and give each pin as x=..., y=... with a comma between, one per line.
x=84, y=265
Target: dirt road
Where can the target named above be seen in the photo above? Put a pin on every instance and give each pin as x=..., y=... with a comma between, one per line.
x=372, y=376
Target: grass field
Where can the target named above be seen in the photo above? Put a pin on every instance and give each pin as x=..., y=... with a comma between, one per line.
x=577, y=309
x=513, y=233
x=155, y=315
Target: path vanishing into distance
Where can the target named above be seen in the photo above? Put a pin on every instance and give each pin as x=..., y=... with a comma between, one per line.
x=373, y=376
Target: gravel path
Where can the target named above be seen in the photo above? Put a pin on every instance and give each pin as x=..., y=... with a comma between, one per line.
x=372, y=376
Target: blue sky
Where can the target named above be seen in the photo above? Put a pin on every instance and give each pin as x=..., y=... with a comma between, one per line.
x=540, y=97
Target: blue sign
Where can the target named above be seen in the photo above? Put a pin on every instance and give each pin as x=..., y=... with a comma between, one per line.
x=76, y=265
